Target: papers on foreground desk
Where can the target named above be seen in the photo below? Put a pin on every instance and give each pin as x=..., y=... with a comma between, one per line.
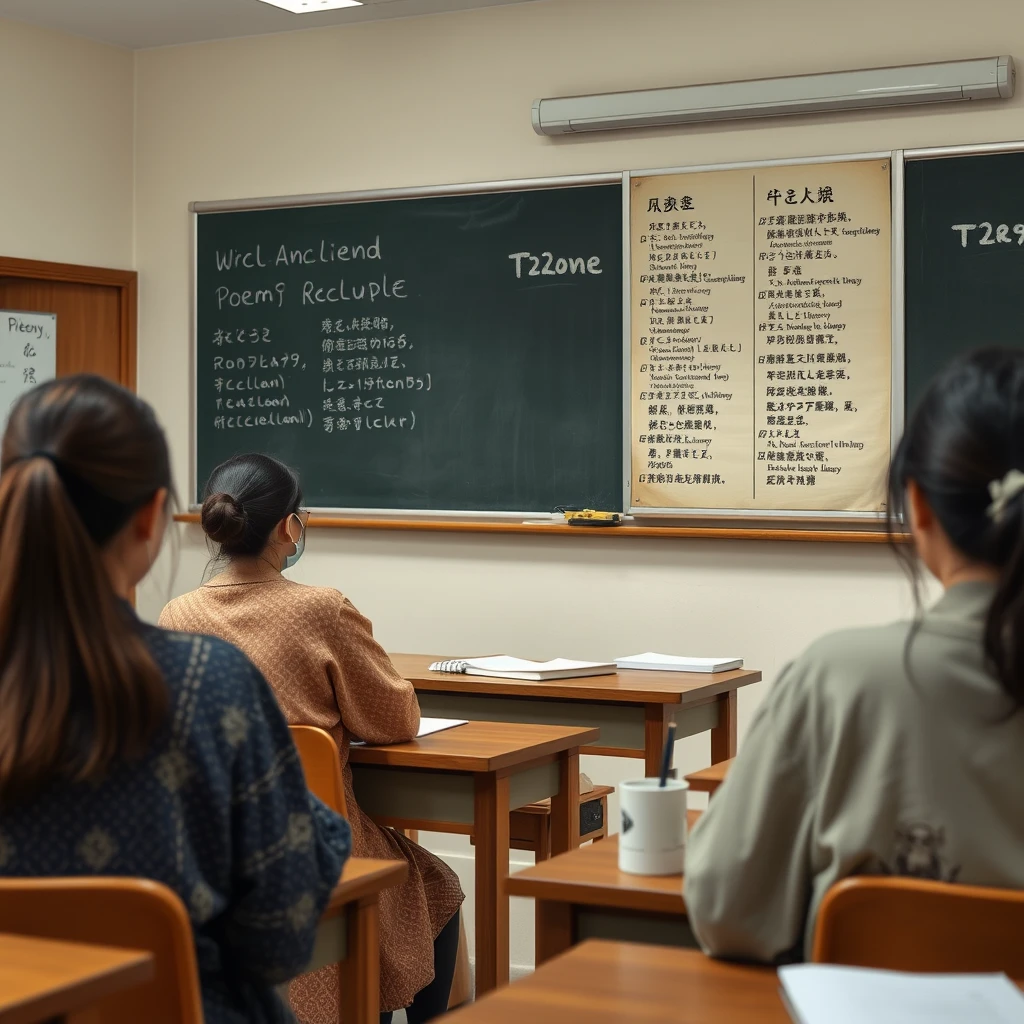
x=827, y=994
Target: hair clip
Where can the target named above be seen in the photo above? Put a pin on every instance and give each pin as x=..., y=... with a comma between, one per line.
x=1003, y=492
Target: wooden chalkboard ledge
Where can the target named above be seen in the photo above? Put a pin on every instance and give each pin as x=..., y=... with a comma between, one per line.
x=812, y=532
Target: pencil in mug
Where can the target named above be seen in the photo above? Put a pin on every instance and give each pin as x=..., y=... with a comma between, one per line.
x=666, y=757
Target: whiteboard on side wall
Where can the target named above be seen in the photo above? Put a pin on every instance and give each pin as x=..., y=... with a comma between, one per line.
x=28, y=354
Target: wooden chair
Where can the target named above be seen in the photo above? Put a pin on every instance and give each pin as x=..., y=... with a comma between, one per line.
x=907, y=924
x=131, y=913
x=321, y=763
x=708, y=780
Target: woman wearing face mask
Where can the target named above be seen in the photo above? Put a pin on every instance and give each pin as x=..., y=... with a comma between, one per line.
x=128, y=750
x=319, y=655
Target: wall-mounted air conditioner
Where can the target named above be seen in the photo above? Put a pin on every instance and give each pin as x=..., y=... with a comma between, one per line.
x=985, y=78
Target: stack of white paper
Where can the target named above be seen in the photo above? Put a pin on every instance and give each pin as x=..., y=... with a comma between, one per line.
x=672, y=663
x=825, y=994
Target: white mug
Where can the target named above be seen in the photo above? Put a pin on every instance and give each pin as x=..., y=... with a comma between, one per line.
x=652, y=834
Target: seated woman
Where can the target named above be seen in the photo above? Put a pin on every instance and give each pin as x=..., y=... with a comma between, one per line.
x=895, y=749
x=319, y=655
x=127, y=750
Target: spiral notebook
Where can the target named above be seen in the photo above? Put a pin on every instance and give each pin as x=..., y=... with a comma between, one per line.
x=504, y=667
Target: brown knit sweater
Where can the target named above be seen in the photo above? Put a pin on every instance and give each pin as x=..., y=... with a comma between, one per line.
x=319, y=656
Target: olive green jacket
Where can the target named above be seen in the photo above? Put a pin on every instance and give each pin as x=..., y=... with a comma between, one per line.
x=888, y=750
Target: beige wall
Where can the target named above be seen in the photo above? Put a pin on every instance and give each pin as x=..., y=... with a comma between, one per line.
x=65, y=148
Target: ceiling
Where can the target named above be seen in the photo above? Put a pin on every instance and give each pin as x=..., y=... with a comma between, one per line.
x=140, y=23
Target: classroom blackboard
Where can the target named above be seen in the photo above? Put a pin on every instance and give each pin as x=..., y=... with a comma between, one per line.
x=964, y=244
x=450, y=352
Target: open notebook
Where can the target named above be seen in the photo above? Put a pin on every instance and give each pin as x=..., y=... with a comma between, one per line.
x=825, y=994
x=504, y=667
x=674, y=663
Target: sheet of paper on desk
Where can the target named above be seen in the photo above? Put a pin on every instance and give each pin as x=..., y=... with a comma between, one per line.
x=826, y=994
x=432, y=725
x=675, y=663
x=427, y=727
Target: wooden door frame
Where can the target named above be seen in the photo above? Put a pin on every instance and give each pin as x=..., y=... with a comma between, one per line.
x=126, y=281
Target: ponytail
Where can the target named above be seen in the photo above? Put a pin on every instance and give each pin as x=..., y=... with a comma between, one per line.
x=964, y=448
x=1004, y=625
x=78, y=687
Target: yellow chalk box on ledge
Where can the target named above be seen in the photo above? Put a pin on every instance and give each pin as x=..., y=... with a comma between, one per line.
x=588, y=517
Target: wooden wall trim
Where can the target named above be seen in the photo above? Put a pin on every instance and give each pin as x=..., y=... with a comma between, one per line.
x=129, y=331
x=808, y=534
x=74, y=272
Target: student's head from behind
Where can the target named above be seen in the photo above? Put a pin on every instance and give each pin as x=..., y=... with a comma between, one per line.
x=84, y=484
x=958, y=479
x=253, y=509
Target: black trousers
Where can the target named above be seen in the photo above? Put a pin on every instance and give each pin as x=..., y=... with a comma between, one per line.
x=432, y=1001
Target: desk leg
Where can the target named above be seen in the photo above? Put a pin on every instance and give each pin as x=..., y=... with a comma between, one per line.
x=490, y=824
x=553, y=929
x=359, y=973
x=655, y=732
x=565, y=805
x=723, y=736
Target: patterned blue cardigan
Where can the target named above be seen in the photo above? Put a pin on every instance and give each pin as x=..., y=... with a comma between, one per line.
x=218, y=811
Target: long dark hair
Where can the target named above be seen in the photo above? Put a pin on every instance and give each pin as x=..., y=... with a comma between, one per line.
x=246, y=497
x=78, y=687
x=967, y=433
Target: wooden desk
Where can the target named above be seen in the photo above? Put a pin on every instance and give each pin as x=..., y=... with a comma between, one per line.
x=349, y=934
x=621, y=983
x=466, y=780
x=583, y=895
x=707, y=780
x=43, y=980
x=632, y=709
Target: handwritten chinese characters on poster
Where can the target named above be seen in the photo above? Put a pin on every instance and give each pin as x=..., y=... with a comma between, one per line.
x=761, y=338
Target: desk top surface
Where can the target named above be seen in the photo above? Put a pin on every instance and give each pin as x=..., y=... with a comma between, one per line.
x=628, y=687
x=707, y=780
x=363, y=876
x=591, y=876
x=40, y=978
x=477, y=747
x=622, y=983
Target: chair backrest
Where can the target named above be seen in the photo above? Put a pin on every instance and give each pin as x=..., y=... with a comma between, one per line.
x=321, y=763
x=907, y=924
x=130, y=913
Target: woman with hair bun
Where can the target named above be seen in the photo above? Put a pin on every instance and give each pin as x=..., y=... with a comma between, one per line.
x=895, y=749
x=129, y=750
x=320, y=657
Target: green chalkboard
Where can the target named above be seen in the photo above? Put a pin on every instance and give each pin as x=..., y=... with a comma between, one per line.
x=964, y=259
x=401, y=355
